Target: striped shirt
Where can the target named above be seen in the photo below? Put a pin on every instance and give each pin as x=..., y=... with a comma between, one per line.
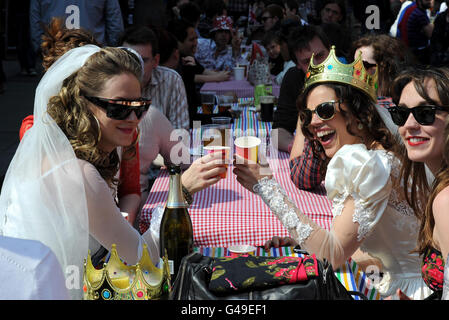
x=168, y=94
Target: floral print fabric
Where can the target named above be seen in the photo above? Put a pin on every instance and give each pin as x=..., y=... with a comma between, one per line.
x=432, y=269
x=254, y=273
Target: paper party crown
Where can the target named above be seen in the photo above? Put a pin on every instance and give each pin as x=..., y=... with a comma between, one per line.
x=118, y=281
x=332, y=70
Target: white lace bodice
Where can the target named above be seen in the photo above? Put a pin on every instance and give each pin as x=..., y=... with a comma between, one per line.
x=386, y=222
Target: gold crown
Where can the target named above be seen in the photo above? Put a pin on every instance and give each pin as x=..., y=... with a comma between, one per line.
x=117, y=281
x=332, y=70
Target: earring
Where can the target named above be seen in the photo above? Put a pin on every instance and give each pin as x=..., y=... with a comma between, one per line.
x=360, y=126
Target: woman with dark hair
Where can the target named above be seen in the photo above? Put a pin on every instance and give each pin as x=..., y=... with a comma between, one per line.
x=339, y=115
x=422, y=114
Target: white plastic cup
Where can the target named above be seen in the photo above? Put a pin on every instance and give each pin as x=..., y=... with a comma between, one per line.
x=239, y=73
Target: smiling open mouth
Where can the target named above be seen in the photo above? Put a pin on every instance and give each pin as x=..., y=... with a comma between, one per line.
x=324, y=136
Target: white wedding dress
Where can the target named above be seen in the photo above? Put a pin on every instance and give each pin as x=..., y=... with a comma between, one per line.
x=383, y=224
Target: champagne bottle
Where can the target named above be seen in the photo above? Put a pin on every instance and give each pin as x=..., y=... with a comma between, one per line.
x=176, y=232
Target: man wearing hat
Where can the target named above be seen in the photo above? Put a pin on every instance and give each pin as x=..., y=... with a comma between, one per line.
x=216, y=53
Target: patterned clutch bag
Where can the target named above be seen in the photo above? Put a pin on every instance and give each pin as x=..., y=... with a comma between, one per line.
x=243, y=273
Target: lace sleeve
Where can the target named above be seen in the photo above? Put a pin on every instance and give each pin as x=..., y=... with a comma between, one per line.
x=359, y=192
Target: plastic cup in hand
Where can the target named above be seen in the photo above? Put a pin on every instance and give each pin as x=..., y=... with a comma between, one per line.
x=225, y=151
x=247, y=147
x=266, y=108
x=239, y=73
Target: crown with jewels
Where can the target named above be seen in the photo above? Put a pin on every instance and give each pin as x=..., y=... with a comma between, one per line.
x=332, y=70
x=118, y=281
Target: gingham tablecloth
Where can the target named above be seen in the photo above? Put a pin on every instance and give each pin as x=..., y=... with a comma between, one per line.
x=226, y=214
x=350, y=275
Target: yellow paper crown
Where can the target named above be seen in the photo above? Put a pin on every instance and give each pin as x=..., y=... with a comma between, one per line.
x=117, y=281
x=332, y=70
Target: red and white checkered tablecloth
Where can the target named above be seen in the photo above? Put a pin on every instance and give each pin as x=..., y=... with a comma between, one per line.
x=226, y=214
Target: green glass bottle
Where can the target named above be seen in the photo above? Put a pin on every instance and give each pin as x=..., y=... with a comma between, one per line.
x=176, y=232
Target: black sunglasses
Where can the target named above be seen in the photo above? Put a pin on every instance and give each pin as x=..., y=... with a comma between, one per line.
x=324, y=111
x=265, y=18
x=120, y=109
x=424, y=115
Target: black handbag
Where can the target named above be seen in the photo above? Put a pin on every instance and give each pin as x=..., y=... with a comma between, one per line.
x=194, y=276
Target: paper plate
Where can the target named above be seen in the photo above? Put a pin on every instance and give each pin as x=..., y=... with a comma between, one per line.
x=242, y=249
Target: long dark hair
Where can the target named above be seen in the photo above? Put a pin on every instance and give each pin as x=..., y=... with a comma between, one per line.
x=413, y=174
x=361, y=108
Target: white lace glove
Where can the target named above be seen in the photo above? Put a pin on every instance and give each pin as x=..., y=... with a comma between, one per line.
x=280, y=204
x=308, y=234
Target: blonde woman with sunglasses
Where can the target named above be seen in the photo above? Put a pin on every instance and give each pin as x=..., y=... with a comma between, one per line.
x=60, y=186
x=370, y=213
x=421, y=112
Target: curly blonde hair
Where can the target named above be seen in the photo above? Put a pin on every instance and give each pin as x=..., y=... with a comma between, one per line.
x=70, y=110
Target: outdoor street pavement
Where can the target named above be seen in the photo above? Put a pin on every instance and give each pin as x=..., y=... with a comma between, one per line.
x=15, y=104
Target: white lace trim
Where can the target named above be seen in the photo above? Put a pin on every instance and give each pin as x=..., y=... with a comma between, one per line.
x=276, y=198
x=363, y=215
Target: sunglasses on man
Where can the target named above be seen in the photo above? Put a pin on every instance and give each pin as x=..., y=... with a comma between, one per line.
x=120, y=109
x=325, y=111
x=424, y=115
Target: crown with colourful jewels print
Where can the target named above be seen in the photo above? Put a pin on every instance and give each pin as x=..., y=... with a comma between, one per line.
x=332, y=70
x=118, y=281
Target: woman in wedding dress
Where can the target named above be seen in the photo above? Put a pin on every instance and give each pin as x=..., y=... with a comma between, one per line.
x=370, y=212
x=60, y=185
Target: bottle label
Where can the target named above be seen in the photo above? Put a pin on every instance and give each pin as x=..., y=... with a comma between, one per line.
x=171, y=266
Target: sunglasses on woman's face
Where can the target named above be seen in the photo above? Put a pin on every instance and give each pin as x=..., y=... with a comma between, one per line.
x=120, y=109
x=424, y=115
x=324, y=111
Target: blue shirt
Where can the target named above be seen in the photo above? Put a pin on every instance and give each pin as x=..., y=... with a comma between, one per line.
x=206, y=56
x=103, y=18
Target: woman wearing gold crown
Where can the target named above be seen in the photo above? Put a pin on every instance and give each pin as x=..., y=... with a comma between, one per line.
x=58, y=188
x=340, y=116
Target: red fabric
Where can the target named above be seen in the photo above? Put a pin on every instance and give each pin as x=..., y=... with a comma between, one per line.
x=130, y=175
x=256, y=51
x=26, y=124
x=403, y=23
